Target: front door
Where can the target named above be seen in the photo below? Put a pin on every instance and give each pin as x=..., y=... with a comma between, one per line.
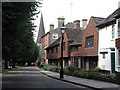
x=113, y=62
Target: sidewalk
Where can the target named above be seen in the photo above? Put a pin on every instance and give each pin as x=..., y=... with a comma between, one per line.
x=82, y=81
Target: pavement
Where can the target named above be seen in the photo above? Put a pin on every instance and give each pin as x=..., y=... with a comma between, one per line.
x=98, y=85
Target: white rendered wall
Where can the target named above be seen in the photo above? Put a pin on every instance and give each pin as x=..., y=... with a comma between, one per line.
x=105, y=44
x=117, y=54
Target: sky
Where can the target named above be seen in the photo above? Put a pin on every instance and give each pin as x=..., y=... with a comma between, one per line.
x=73, y=10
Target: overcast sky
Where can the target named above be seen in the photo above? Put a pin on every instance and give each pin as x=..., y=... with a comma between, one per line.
x=73, y=10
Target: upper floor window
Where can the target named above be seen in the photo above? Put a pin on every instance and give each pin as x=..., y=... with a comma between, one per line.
x=56, y=49
x=119, y=28
x=55, y=36
x=113, y=31
x=63, y=45
x=74, y=49
x=89, y=41
x=48, y=51
x=52, y=50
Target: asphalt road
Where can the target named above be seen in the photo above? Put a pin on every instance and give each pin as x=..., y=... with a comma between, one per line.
x=30, y=77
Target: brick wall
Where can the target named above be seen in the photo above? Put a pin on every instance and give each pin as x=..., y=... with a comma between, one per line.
x=90, y=30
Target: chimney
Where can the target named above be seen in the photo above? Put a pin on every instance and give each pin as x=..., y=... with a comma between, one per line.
x=119, y=4
x=60, y=22
x=84, y=23
x=77, y=24
x=51, y=27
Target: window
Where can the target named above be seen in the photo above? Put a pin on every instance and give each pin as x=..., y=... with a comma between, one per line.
x=55, y=36
x=113, y=31
x=52, y=50
x=76, y=61
x=71, y=49
x=56, y=49
x=76, y=49
x=89, y=41
x=103, y=53
x=119, y=57
x=48, y=51
x=63, y=45
x=66, y=62
x=119, y=28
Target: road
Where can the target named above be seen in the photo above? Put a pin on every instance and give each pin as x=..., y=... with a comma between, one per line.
x=30, y=77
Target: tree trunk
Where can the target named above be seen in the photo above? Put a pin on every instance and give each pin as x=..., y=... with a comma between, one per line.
x=6, y=64
x=13, y=64
x=29, y=63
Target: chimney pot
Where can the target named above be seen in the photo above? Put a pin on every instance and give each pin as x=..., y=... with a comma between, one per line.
x=51, y=26
x=60, y=21
x=84, y=23
x=77, y=24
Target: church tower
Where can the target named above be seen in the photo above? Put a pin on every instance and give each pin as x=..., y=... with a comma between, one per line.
x=41, y=32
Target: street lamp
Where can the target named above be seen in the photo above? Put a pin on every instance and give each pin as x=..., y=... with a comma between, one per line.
x=62, y=33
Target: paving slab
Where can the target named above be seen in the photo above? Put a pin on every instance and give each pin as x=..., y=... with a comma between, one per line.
x=82, y=81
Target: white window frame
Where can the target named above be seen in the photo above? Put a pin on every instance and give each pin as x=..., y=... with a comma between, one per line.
x=55, y=36
x=113, y=31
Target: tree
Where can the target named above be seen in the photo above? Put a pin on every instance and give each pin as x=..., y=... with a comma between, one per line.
x=17, y=35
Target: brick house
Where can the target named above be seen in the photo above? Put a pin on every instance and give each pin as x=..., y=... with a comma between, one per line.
x=89, y=54
x=84, y=50
x=45, y=43
x=80, y=45
x=72, y=32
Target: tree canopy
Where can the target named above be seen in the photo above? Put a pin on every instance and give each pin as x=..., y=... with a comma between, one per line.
x=18, y=45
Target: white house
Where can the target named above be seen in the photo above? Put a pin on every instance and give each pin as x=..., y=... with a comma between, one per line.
x=107, y=50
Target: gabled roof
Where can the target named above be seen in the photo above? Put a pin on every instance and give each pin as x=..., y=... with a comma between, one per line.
x=78, y=40
x=72, y=34
x=41, y=31
x=98, y=20
x=111, y=19
x=55, y=43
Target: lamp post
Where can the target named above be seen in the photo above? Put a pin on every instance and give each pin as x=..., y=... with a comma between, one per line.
x=62, y=33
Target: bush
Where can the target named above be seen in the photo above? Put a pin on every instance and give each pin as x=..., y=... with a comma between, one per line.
x=72, y=69
x=41, y=66
x=53, y=68
x=94, y=75
x=96, y=69
x=117, y=79
x=46, y=66
x=66, y=71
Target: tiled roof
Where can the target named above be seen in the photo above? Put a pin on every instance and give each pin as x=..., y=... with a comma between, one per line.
x=78, y=40
x=55, y=43
x=98, y=20
x=110, y=19
x=72, y=34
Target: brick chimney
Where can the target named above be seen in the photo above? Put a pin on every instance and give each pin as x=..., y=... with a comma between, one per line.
x=77, y=24
x=60, y=22
x=51, y=27
x=84, y=23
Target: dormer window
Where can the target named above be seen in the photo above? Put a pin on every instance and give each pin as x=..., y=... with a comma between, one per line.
x=55, y=36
